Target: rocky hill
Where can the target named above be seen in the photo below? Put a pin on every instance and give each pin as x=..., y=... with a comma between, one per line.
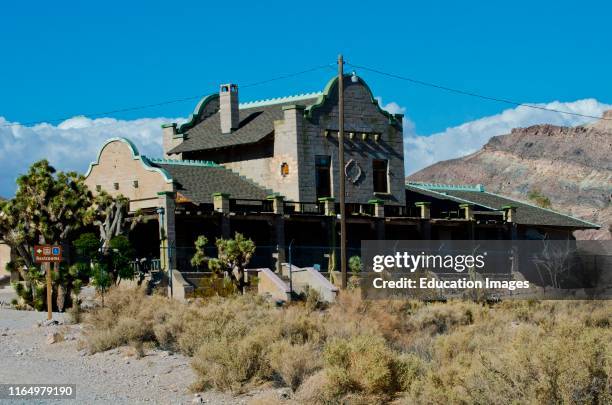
x=571, y=166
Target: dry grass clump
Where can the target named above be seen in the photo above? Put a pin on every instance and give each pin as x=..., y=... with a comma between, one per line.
x=375, y=351
x=128, y=316
x=294, y=362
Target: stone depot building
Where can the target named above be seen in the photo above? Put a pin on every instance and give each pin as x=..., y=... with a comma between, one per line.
x=269, y=169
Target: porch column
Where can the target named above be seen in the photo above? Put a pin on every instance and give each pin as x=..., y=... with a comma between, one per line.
x=167, y=230
x=425, y=209
x=278, y=238
x=379, y=208
x=509, y=213
x=278, y=203
x=221, y=202
x=510, y=218
x=468, y=211
x=329, y=205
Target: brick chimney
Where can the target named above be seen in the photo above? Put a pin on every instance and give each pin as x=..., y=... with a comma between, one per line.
x=228, y=109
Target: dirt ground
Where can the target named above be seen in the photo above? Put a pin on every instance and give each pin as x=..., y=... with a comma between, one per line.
x=115, y=376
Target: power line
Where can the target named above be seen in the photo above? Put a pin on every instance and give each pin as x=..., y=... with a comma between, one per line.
x=471, y=94
x=329, y=65
x=178, y=100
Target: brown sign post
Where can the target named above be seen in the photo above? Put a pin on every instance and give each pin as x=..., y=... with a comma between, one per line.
x=47, y=254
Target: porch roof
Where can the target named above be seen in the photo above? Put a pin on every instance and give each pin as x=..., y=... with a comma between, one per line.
x=197, y=181
x=526, y=213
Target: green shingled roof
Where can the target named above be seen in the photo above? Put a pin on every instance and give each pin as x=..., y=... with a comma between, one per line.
x=198, y=181
x=526, y=213
x=256, y=123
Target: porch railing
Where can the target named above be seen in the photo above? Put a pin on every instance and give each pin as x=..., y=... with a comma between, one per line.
x=299, y=207
x=146, y=265
x=247, y=206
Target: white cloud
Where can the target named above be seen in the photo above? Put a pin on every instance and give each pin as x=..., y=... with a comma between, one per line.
x=422, y=151
x=74, y=143
x=392, y=107
x=71, y=145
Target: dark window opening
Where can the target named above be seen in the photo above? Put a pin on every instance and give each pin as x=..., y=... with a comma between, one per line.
x=379, y=176
x=322, y=175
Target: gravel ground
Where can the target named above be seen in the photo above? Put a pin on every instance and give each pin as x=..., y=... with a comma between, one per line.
x=115, y=376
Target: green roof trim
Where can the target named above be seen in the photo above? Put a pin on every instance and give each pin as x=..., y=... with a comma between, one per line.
x=376, y=201
x=146, y=163
x=278, y=100
x=450, y=187
x=447, y=196
x=196, y=113
x=323, y=199
x=224, y=195
x=275, y=196
x=422, y=203
x=466, y=205
x=446, y=191
x=205, y=163
x=328, y=89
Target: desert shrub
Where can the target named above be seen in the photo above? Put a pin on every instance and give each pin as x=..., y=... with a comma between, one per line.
x=312, y=299
x=362, y=363
x=540, y=199
x=299, y=326
x=359, y=351
x=317, y=390
x=407, y=368
x=294, y=362
x=519, y=361
x=75, y=314
x=440, y=318
x=229, y=365
x=128, y=316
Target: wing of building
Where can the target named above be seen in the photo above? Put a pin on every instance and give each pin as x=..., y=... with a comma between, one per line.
x=269, y=169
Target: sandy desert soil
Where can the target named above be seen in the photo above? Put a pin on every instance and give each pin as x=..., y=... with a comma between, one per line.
x=116, y=376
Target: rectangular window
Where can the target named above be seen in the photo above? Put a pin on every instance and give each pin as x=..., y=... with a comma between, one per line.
x=380, y=175
x=322, y=176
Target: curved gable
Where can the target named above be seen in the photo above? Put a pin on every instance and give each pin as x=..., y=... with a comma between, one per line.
x=328, y=100
x=120, y=170
x=204, y=109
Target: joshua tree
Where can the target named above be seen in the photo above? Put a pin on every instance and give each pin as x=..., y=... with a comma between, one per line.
x=233, y=255
x=48, y=208
x=109, y=214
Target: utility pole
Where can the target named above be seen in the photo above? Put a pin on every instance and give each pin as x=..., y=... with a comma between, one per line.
x=342, y=174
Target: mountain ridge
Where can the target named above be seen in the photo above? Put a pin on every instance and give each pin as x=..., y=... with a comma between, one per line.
x=571, y=166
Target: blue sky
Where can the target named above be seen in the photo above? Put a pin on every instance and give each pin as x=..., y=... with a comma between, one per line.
x=72, y=58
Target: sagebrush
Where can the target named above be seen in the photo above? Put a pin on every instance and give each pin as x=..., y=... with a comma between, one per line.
x=368, y=352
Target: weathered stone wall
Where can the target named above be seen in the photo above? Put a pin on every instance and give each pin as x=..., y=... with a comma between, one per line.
x=361, y=116
x=298, y=140
x=258, y=170
x=267, y=171
x=170, y=140
x=117, y=171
